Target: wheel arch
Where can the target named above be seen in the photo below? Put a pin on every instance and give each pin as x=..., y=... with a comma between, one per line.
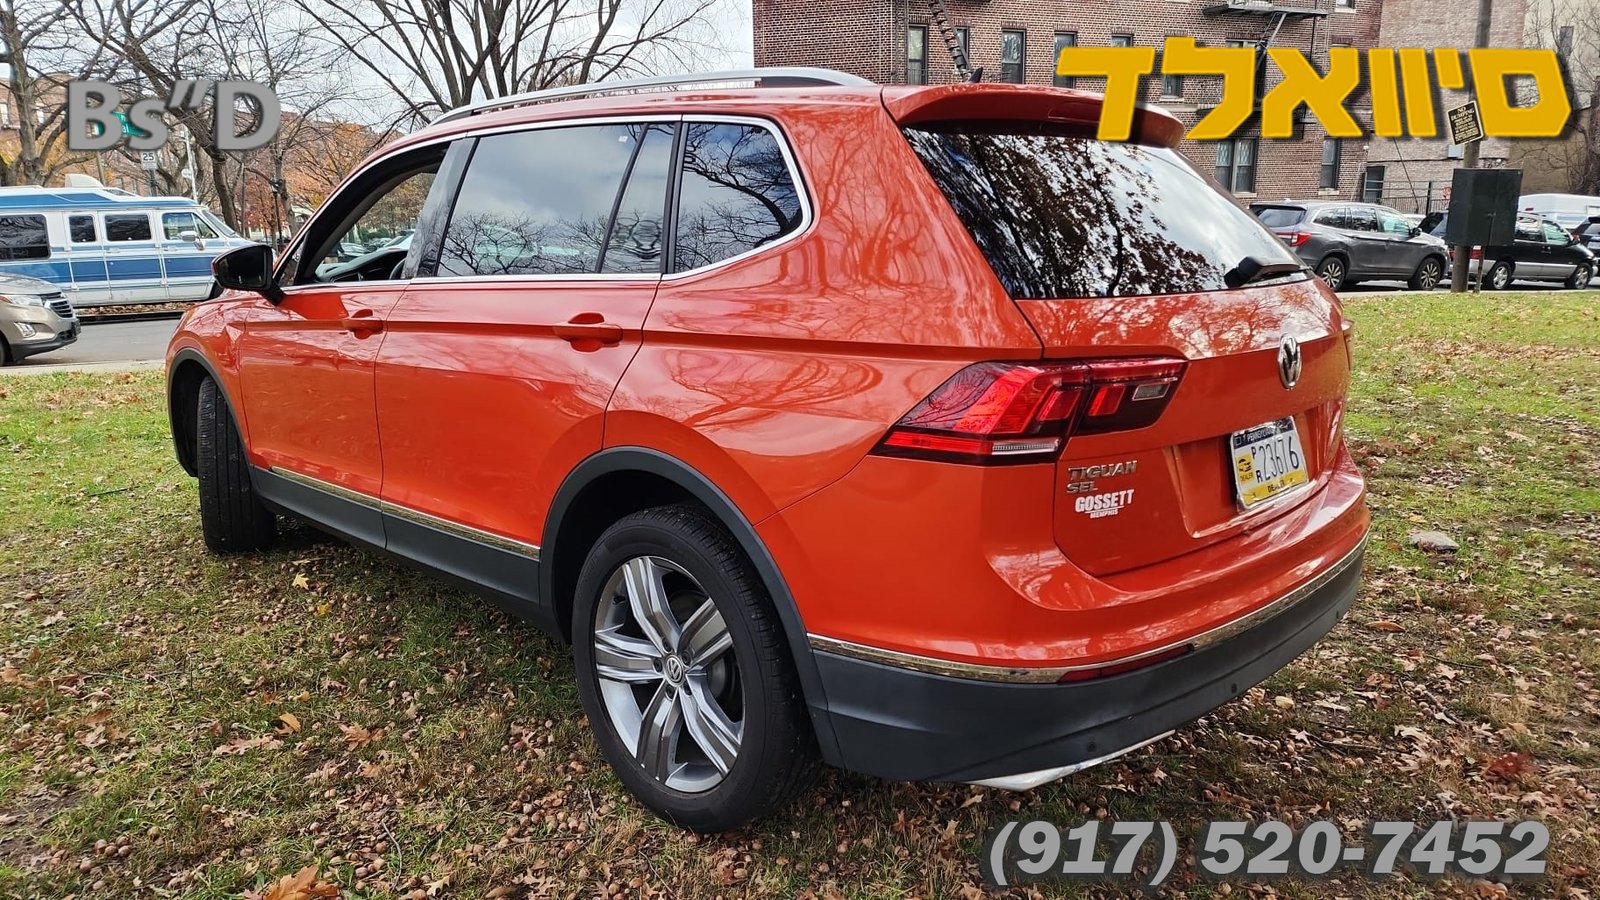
x=189, y=367
x=620, y=480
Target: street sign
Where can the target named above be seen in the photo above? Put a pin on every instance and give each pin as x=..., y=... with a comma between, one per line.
x=147, y=159
x=1466, y=125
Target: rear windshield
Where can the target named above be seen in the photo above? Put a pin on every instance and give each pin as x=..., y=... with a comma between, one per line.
x=1279, y=216
x=1061, y=216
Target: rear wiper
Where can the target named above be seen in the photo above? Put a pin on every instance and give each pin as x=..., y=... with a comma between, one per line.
x=1252, y=269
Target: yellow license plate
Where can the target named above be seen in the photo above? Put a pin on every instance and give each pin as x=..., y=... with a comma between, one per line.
x=1267, y=462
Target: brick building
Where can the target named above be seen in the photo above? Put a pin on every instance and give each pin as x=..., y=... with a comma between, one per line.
x=1412, y=175
x=898, y=41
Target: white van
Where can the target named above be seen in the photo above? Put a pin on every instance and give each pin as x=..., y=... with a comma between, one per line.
x=105, y=246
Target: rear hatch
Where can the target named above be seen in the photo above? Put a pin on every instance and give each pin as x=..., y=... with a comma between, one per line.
x=1123, y=252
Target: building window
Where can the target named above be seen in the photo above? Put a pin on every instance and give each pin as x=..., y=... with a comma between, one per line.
x=1122, y=40
x=1372, y=184
x=1013, y=50
x=5, y=115
x=917, y=54
x=1236, y=165
x=1330, y=162
x=1172, y=86
x=1063, y=39
x=1455, y=151
x=1344, y=4
x=963, y=39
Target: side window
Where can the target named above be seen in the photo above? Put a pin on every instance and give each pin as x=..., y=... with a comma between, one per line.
x=386, y=223
x=736, y=194
x=1529, y=230
x=82, y=230
x=1555, y=234
x=540, y=202
x=176, y=223
x=1393, y=224
x=1361, y=219
x=127, y=227
x=23, y=237
x=1335, y=217
x=634, y=244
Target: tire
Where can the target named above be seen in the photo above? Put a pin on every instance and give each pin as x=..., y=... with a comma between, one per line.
x=5, y=353
x=1428, y=274
x=1333, y=270
x=1580, y=277
x=1499, y=277
x=739, y=686
x=232, y=518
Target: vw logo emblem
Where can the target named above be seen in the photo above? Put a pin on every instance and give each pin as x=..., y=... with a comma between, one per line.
x=1289, y=361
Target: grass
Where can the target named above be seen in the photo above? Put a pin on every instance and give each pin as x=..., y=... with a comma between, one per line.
x=174, y=723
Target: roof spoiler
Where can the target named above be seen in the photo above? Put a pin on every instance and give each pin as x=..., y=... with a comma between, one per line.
x=1017, y=103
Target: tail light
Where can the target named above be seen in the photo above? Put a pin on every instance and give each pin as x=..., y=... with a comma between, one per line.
x=992, y=413
x=1477, y=253
x=1297, y=238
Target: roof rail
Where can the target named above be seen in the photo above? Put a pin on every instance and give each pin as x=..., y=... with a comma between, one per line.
x=787, y=76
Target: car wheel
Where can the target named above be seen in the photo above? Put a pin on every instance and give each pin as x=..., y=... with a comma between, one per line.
x=1332, y=270
x=1427, y=276
x=1580, y=276
x=685, y=674
x=1500, y=276
x=5, y=353
x=232, y=518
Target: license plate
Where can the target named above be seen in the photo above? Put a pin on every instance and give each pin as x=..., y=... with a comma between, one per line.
x=1267, y=462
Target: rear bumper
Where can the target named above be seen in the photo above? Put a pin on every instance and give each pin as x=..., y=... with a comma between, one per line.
x=897, y=722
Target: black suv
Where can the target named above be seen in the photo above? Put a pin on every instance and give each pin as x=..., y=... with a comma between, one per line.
x=1542, y=251
x=1346, y=242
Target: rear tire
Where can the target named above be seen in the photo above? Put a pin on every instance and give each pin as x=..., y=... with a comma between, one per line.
x=1334, y=271
x=232, y=518
x=671, y=625
x=1579, y=277
x=1499, y=277
x=1428, y=274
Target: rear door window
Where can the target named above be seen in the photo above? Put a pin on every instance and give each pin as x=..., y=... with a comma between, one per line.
x=82, y=230
x=638, y=229
x=540, y=202
x=1360, y=218
x=23, y=237
x=1061, y=216
x=1334, y=217
x=736, y=193
x=1530, y=230
x=1280, y=216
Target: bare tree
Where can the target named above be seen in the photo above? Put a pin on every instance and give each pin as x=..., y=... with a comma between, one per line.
x=37, y=54
x=435, y=55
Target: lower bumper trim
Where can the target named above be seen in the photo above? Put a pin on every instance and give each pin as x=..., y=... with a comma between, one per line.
x=1027, y=781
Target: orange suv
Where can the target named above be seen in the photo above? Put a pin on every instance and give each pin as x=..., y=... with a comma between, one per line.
x=907, y=429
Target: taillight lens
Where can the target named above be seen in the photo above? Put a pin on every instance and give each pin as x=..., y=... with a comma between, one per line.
x=1477, y=253
x=991, y=413
x=1297, y=238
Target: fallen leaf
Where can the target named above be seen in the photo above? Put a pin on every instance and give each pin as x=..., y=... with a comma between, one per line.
x=1386, y=625
x=302, y=885
x=301, y=581
x=291, y=721
x=1510, y=767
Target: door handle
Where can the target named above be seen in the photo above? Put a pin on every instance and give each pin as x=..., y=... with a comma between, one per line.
x=589, y=327
x=361, y=322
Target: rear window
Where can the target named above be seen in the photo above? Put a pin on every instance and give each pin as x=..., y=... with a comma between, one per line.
x=1280, y=216
x=1060, y=216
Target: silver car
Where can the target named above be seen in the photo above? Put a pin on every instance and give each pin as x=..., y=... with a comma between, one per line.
x=34, y=317
x=1345, y=242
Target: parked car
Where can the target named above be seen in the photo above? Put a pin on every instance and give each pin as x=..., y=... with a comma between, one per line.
x=102, y=246
x=957, y=466
x=1570, y=211
x=34, y=317
x=1346, y=242
x=1543, y=250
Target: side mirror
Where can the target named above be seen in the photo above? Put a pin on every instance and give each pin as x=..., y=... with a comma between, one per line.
x=248, y=269
x=192, y=237
x=1415, y=231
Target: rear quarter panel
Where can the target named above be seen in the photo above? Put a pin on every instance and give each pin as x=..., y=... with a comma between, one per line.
x=774, y=375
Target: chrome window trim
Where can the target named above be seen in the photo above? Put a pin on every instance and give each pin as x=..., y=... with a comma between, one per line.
x=1027, y=675
x=802, y=192
x=521, y=548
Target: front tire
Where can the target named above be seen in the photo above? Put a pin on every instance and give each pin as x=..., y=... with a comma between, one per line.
x=685, y=673
x=1500, y=276
x=232, y=518
x=1332, y=270
x=1427, y=276
x=1580, y=277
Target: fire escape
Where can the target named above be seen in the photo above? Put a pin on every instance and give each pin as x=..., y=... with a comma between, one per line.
x=1274, y=16
x=952, y=43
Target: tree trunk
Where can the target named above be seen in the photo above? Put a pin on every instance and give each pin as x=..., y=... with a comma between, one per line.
x=29, y=168
x=219, y=180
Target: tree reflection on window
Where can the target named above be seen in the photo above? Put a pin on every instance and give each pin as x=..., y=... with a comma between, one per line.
x=736, y=194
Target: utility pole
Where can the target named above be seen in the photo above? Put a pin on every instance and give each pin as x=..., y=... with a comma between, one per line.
x=1458, y=271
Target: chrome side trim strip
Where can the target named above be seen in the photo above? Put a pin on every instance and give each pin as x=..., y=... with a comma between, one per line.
x=468, y=532
x=1031, y=675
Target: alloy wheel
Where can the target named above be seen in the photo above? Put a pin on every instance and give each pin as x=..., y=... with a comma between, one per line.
x=667, y=673
x=1428, y=278
x=1332, y=272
